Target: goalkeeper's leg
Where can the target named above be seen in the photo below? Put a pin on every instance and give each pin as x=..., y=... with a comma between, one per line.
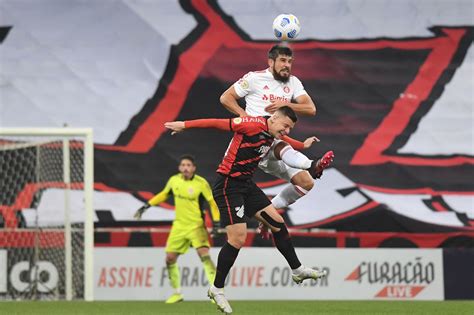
x=174, y=276
x=208, y=264
x=200, y=241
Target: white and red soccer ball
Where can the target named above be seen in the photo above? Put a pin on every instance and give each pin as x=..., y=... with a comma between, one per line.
x=286, y=27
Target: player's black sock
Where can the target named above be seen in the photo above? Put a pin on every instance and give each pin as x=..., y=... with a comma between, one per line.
x=285, y=246
x=225, y=260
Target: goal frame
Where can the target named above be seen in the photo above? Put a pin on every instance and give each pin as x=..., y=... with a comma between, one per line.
x=87, y=134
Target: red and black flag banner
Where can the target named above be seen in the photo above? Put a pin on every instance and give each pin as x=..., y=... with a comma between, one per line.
x=394, y=103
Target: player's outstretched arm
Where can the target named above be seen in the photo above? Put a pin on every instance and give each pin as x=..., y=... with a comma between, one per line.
x=178, y=126
x=298, y=145
x=308, y=142
x=156, y=200
x=175, y=126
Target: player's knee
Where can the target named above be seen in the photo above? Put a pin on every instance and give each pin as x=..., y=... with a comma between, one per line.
x=237, y=239
x=237, y=242
x=308, y=185
x=237, y=234
x=203, y=251
x=304, y=180
x=275, y=225
x=171, y=259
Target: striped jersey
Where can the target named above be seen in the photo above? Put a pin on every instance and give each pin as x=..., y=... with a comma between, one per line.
x=251, y=142
x=249, y=145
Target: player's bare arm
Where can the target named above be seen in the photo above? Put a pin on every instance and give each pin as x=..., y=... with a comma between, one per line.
x=309, y=142
x=229, y=100
x=304, y=106
x=175, y=126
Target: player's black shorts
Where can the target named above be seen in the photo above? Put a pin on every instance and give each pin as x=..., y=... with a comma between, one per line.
x=238, y=199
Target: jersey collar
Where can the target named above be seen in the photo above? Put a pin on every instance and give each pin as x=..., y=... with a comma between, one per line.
x=182, y=177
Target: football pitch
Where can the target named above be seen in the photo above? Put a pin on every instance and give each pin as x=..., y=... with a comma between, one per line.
x=243, y=307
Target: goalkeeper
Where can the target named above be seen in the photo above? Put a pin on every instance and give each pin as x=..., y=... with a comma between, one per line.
x=188, y=227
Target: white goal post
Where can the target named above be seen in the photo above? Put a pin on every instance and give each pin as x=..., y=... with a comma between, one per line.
x=47, y=164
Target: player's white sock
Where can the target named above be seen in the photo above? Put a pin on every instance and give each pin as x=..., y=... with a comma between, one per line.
x=295, y=159
x=287, y=196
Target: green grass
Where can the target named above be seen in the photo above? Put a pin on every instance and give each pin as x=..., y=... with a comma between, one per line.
x=243, y=307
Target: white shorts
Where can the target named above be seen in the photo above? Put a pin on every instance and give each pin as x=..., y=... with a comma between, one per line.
x=273, y=166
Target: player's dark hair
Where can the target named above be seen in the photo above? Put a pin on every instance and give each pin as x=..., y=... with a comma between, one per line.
x=187, y=157
x=279, y=50
x=289, y=112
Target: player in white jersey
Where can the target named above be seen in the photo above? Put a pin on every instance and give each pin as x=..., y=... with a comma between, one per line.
x=265, y=91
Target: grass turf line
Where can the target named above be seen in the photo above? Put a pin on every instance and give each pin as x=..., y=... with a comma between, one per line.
x=242, y=307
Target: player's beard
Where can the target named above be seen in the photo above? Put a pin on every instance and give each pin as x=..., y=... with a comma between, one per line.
x=278, y=77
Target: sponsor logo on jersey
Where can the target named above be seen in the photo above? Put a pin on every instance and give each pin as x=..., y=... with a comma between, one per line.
x=251, y=119
x=278, y=98
x=265, y=97
x=286, y=89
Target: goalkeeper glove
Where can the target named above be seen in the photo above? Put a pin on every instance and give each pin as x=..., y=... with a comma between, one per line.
x=215, y=229
x=138, y=214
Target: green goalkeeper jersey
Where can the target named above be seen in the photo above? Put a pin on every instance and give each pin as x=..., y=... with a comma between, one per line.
x=187, y=195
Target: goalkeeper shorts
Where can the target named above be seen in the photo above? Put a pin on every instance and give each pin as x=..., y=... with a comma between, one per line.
x=180, y=239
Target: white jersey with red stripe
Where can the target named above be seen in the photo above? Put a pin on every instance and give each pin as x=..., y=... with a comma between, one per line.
x=260, y=88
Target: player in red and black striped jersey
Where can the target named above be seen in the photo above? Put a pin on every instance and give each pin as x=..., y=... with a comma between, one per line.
x=250, y=143
x=252, y=139
x=237, y=196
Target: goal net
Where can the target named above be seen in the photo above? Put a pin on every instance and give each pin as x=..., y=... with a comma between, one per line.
x=46, y=221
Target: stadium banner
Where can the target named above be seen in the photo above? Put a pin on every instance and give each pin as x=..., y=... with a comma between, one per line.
x=24, y=273
x=262, y=274
x=401, y=131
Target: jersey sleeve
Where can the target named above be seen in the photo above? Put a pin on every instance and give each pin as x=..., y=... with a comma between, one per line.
x=223, y=124
x=248, y=125
x=244, y=85
x=295, y=144
x=298, y=88
x=162, y=195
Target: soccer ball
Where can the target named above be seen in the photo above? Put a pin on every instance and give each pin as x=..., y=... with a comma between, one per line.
x=286, y=27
